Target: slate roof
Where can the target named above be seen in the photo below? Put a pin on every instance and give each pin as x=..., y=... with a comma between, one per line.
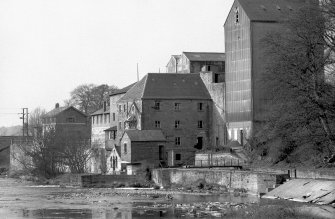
x=270, y=10
x=168, y=86
x=55, y=111
x=123, y=90
x=101, y=111
x=113, y=128
x=145, y=135
x=58, y=110
x=205, y=56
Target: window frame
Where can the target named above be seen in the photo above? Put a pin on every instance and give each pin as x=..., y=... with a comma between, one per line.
x=200, y=124
x=177, y=141
x=177, y=124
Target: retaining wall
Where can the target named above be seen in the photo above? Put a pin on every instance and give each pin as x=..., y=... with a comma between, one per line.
x=254, y=183
x=109, y=180
x=300, y=174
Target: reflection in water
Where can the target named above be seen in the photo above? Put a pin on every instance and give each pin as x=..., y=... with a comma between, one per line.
x=141, y=210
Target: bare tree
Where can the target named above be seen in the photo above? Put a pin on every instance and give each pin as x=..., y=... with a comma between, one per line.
x=35, y=120
x=301, y=101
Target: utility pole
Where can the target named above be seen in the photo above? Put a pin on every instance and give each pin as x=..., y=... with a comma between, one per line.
x=24, y=118
x=138, y=77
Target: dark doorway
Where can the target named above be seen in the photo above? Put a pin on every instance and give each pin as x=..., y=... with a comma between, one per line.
x=161, y=152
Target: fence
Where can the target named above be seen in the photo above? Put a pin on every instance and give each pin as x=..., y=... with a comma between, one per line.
x=219, y=163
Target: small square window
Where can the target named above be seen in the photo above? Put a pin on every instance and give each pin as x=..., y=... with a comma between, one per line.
x=70, y=119
x=200, y=124
x=177, y=106
x=157, y=105
x=178, y=156
x=177, y=124
x=177, y=141
x=157, y=124
x=200, y=106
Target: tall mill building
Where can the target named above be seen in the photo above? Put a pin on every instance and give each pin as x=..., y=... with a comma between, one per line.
x=248, y=22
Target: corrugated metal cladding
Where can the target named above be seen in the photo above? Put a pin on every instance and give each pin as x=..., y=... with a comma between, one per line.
x=238, y=66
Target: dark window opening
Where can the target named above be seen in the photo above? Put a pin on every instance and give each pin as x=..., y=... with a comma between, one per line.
x=113, y=116
x=216, y=78
x=70, y=119
x=125, y=148
x=178, y=156
x=177, y=141
x=200, y=124
x=157, y=124
x=208, y=68
x=161, y=152
x=200, y=106
x=157, y=105
x=237, y=19
x=177, y=124
x=199, y=144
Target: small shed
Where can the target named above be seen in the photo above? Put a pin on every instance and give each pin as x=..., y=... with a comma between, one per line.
x=142, y=149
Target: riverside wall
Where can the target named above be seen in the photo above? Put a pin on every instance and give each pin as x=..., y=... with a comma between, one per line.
x=252, y=182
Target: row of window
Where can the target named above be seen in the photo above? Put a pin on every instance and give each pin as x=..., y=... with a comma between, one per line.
x=53, y=120
x=177, y=124
x=102, y=119
x=157, y=106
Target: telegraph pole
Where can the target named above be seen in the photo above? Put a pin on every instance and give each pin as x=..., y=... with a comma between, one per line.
x=24, y=118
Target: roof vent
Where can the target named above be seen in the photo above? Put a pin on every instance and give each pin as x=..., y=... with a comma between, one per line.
x=56, y=105
x=263, y=7
x=278, y=8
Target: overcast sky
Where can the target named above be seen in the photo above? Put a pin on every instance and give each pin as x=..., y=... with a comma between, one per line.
x=47, y=48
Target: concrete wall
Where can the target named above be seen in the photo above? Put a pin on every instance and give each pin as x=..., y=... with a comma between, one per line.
x=252, y=182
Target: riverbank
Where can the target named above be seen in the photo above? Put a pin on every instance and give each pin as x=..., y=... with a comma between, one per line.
x=24, y=199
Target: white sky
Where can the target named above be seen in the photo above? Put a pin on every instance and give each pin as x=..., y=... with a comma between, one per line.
x=47, y=48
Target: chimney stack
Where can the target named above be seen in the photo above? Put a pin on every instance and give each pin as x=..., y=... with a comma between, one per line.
x=57, y=105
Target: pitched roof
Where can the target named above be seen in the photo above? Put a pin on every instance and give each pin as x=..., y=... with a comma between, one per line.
x=58, y=110
x=205, y=56
x=270, y=10
x=123, y=90
x=136, y=92
x=168, y=86
x=113, y=128
x=101, y=111
x=145, y=135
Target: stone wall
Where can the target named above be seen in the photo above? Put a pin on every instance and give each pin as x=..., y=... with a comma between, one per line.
x=109, y=180
x=252, y=182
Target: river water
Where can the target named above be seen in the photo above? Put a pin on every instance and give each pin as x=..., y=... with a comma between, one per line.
x=21, y=201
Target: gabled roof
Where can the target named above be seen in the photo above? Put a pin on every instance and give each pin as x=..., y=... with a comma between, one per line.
x=101, y=111
x=136, y=92
x=58, y=110
x=123, y=90
x=145, y=135
x=270, y=10
x=168, y=86
x=205, y=56
x=175, y=57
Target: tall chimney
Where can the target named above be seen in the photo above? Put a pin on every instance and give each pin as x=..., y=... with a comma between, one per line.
x=57, y=105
